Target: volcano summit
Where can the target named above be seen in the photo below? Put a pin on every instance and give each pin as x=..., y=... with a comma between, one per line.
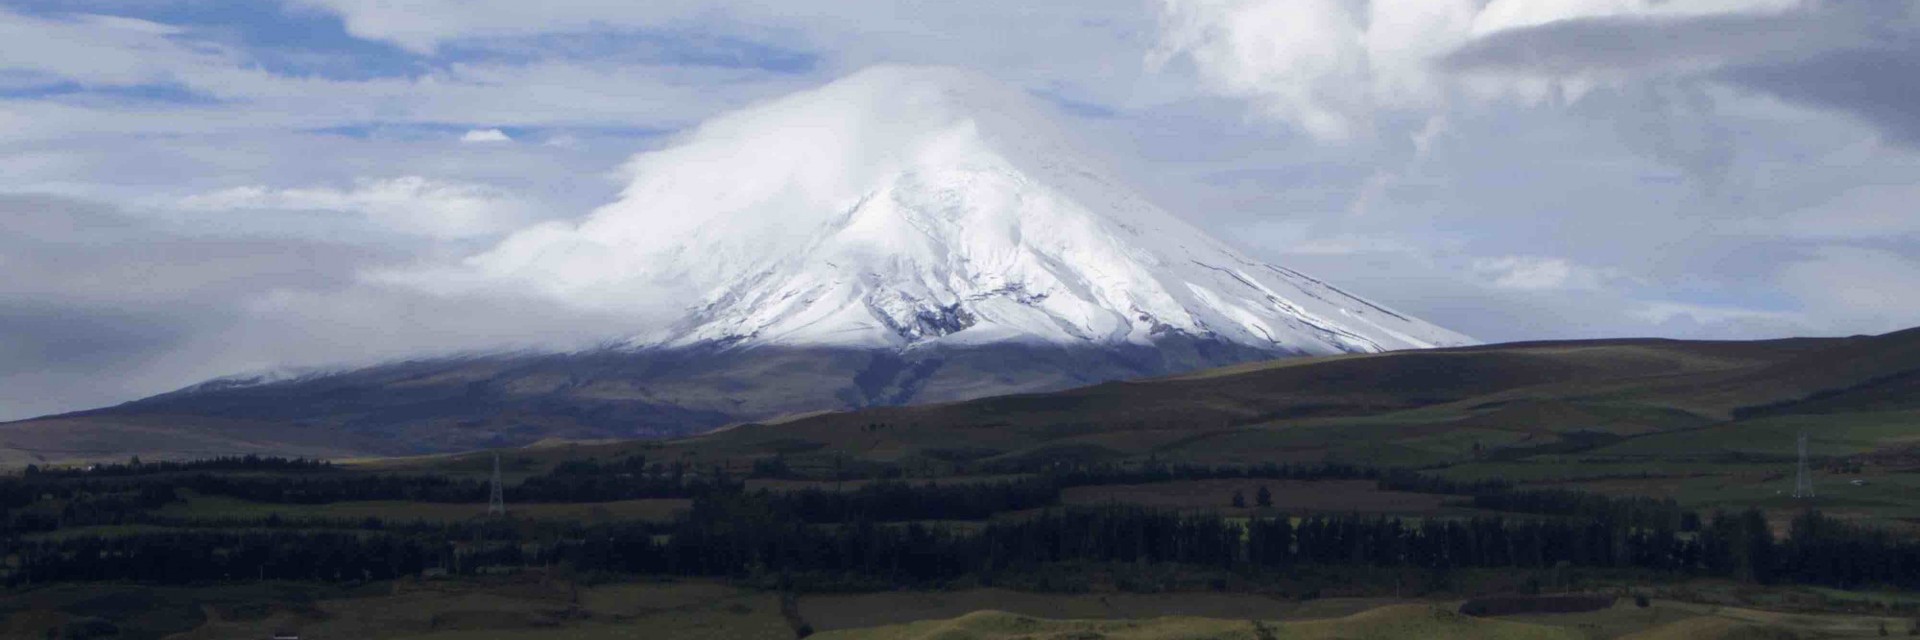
x=902, y=208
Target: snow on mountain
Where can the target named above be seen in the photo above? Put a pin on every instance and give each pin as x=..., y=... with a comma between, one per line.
x=906, y=207
x=258, y=378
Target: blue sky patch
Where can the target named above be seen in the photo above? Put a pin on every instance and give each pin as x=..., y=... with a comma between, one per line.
x=637, y=46
x=68, y=91
x=277, y=39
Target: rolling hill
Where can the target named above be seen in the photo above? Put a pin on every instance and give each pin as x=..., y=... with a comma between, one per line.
x=1499, y=402
x=1414, y=407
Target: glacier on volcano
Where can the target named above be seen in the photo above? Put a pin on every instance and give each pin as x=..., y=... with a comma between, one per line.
x=906, y=208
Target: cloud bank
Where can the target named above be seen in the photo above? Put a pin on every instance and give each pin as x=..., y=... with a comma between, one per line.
x=409, y=204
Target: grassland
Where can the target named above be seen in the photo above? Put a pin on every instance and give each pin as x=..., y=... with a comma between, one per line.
x=555, y=607
x=197, y=506
x=1402, y=621
x=557, y=604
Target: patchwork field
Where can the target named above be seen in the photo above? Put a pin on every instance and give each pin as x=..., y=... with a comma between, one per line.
x=1289, y=496
x=826, y=612
x=553, y=608
x=1406, y=621
x=520, y=609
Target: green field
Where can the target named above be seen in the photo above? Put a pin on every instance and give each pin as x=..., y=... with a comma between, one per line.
x=1827, y=435
x=197, y=506
x=532, y=607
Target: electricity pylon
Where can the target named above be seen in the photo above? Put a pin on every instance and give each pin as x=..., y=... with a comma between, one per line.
x=1803, y=481
x=496, y=498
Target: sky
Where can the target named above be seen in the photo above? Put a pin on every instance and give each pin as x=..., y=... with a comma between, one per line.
x=193, y=188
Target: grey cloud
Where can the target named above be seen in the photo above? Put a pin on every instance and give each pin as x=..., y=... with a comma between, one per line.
x=1643, y=44
x=1676, y=123
x=92, y=297
x=1876, y=85
x=58, y=355
x=71, y=250
x=1857, y=57
x=79, y=338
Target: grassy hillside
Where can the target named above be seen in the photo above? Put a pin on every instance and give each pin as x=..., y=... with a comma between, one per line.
x=508, y=400
x=1711, y=423
x=1413, y=408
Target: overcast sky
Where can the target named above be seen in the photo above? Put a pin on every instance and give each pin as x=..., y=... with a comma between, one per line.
x=190, y=188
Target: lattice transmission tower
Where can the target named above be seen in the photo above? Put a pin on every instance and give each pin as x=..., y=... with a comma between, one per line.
x=496, y=497
x=1803, y=480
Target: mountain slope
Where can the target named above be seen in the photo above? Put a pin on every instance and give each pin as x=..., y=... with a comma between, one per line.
x=1407, y=407
x=504, y=400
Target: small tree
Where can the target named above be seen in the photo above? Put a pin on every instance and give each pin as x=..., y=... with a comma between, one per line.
x=1264, y=497
x=1239, y=499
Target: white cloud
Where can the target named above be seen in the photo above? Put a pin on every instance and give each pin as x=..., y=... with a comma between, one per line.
x=1537, y=273
x=1082, y=50
x=485, y=135
x=1861, y=289
x=1331, y=67
x=1668, y=312
x=1718, y=322
x=101, y=49
x=422, y=25
x=1298, y=238
x=1512, y=14
x=1302, y=61
x=410, y=204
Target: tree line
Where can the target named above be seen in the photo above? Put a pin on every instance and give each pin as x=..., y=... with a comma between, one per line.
x=122, y=500
x=745, y=535
x=733, y=532
x=134, y=466
x=898, y=501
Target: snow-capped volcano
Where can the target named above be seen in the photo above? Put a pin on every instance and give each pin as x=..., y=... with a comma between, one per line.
x=903, y=207
x=903, y=235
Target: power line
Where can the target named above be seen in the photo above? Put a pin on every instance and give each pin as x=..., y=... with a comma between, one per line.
x=497, y=497
x=1803, y=481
